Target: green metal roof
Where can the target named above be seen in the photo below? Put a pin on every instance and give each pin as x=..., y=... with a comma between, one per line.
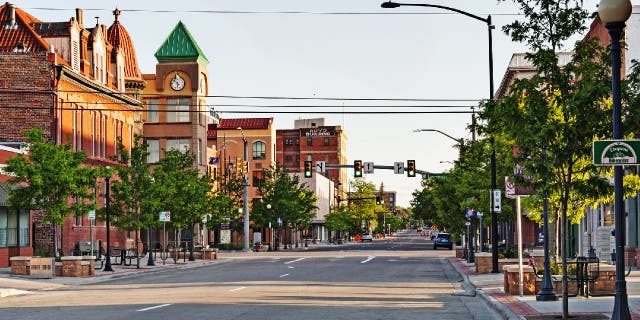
x=180, y=46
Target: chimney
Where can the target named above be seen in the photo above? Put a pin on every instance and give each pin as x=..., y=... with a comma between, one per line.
x=11, y=25
x=79, y=17
x=51, y=55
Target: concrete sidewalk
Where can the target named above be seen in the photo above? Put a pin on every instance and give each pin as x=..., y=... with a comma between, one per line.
x=490, y=288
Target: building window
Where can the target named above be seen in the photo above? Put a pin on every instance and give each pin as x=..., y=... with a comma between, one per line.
x=288, y=142
x=178, y=110
x=326, y=141
x=288, y=158
x=297, y=141
x=297, y=158
x=154, y=151
x=257, y=178
x=152, y=111
x=181, y=145
x=259, y=150
x=14, y=227
x=309, y=141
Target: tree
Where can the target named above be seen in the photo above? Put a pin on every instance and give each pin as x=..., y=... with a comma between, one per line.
x=362, y=206
x=134, y=206
x=554, y=116
x=184, y=192
x=53, y=178
x=290, y=200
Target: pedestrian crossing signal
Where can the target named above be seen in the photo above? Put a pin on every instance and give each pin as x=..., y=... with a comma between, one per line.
x=308, y=166
x=357, y=168
x=411, y=168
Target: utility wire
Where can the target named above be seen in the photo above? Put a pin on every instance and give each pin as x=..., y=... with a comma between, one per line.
x=335, y=13
x=244, y=111
x=247, y=97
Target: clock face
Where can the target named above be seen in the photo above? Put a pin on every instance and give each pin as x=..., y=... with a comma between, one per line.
x=177, y=83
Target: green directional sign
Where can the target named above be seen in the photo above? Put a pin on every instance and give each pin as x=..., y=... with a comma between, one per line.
x=616, y=152
x=433, y=175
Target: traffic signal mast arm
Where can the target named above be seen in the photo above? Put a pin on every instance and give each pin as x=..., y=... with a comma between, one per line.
x=421, y=172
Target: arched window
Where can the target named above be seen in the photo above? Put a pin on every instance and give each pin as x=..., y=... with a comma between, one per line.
x=259, y=150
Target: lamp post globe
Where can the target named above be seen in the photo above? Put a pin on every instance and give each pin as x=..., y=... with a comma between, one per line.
x=614, y=13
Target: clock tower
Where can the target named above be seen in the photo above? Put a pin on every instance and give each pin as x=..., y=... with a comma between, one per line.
x=175, y=97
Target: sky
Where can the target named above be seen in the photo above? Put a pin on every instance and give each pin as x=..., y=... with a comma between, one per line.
x=334, y=49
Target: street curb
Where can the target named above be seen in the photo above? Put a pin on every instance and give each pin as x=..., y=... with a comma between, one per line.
x=500, y=308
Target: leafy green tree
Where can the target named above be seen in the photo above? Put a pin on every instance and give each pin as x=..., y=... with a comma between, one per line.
x=338, y=220
x=184, y=192
x=362, y=206
x=554, y=116
x=52, y=177
x=289, y=198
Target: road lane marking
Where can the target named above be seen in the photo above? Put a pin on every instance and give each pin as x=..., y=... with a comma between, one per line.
x=284, y=275
x=155, y=307
x=296, y=260
x=368, y=259
x=291, y=267
x=237, y=289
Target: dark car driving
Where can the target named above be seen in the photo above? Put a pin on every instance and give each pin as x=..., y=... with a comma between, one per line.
x=443, y=240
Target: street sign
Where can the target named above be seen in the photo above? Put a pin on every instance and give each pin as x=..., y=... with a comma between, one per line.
x=616, y=152
x=165, y=216
x=398, y=167
x=430, y=175
x=497, y=197
x=320, y=166
x=92, y=214
x=367, y=167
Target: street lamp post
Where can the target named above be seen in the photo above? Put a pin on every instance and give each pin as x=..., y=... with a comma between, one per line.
x=245, y=183
x=150, y=261
x=270, y=228
x=490, y=27
x=614, y=13
x=107, y=265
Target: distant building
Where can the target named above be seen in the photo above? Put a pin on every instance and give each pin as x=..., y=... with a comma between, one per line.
x=311, y=140
x=324, y=190
x=80, y=85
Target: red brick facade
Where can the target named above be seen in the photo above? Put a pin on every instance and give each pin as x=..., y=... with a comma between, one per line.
x=324, y=143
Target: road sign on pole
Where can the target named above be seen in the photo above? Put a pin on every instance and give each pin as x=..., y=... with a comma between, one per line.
x=320, y=166
x=367, y=167
x=165, y=216
x=398, y=167
x=616, y=152
x=497, y=197
x=92, y=214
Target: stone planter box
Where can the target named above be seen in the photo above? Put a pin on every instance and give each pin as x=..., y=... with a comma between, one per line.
x=33, y=267
x=459, y=252
x=211, y=254
x=484, y=263
x=604, y=284
x=58, y=270
x=72, y=266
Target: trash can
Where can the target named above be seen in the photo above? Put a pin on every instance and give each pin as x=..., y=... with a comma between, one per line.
x=306, y=242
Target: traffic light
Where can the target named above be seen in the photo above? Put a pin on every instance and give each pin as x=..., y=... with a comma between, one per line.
x=245, y=167
x=357, y=168
x=411, y=168
x=378, y=200
x=308, y=166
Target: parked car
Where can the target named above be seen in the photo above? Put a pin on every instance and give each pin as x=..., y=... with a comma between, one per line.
x=443, y=240
x=367, y=237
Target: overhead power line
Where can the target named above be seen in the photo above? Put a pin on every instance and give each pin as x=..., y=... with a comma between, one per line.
x=287, y=12
x=254, y=97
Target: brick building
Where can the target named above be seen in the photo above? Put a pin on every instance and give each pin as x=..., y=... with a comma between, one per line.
x=227, y=138
x=177, y=116
x=310, y=138
x=78, y=84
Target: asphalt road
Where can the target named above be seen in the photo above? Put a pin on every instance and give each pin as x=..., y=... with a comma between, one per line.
x=402, y=278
